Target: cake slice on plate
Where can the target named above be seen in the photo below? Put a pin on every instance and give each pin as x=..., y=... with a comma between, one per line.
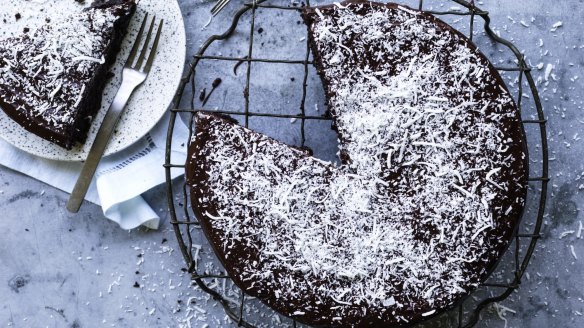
x=52, y=79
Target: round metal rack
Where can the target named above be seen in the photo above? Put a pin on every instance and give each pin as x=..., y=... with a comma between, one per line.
x=507, y=276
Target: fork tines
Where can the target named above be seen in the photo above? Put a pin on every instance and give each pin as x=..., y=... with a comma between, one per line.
x=219, y=6
x=139, y=63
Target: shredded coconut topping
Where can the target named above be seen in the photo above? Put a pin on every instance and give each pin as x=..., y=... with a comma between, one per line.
x=432, y=182
x=44, y=74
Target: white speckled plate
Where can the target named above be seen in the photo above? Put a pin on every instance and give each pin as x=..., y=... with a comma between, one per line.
x=149, y=102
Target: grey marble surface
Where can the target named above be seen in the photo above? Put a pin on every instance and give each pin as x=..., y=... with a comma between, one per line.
x=63, y=270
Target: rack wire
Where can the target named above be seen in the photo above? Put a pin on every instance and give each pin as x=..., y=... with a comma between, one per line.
x=467, y=312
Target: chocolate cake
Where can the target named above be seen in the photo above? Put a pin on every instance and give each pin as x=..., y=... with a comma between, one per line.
x=51, y=80
x=431, y=187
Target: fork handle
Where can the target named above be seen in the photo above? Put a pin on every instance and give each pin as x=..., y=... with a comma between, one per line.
x=98, y=148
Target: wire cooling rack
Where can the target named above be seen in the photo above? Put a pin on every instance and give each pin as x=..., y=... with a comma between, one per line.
x=511, y=268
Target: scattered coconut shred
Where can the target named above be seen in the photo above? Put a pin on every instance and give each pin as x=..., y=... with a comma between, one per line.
x=502, y=311
x=408, y=223
x=556, y=26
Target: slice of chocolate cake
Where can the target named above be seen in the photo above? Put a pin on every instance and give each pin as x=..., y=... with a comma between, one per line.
x=432, y=184
x=52, y=79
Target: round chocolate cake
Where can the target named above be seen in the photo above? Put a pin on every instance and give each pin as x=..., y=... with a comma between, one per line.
x=432, y=182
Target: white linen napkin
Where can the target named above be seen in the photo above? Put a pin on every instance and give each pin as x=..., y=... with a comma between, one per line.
x=120, y=178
